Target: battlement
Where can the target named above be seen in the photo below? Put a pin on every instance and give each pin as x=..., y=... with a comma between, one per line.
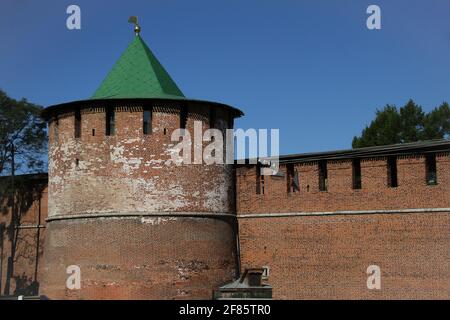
x=398, y=177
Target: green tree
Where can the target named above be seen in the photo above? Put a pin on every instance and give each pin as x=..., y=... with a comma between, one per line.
x=23, y=142
x=437, y=123
x=409, y=124
x=384, y=129
x=23, y=136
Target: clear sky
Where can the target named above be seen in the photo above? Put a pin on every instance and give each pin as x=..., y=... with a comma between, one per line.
x=310, y=68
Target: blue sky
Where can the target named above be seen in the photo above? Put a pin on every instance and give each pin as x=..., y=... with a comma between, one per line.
x=310, y=68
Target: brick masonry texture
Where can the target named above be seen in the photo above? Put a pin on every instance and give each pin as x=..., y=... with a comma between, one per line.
x=326, y=256
x=141, y=227
x=140, y=258
x=157, y=253
x=412, y=191
x=130, y=171
x=32, y=208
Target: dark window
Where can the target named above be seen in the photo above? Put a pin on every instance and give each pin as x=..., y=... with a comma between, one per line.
x=259, y=181
x=110, y=122
x=323, y=176
x=147, y=118
x=183, y=117
x=77, y=123
x=430, y=163
x=93, y=132
x=392, y=171
x=356, y=173
x=292, y=178
x=262, y=184
x=212, y=118
x=254, y=279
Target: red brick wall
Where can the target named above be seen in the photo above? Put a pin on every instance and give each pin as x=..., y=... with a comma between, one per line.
x=163, y=232
x=129, y=252
x=326, y=257
x=140, y=258
x=314, y=256
x=412, y=190
x=130, y=171
x=31, y=206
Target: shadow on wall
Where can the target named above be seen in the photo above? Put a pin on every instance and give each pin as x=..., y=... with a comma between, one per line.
x=25, y=286
x=20, y=234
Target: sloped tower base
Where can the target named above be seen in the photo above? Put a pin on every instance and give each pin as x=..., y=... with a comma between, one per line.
x=147, y=257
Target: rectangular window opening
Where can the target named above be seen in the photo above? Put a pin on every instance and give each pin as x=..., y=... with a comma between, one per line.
x=110, y=122
x=263, y=184
x=212, y=118
x=77, y=123
x=431, y=172
x=183, y=117
x=147, y=120
x=356, y=173
x=392, y=171
x=323, y=176
x=292, y=178
x=259, y=181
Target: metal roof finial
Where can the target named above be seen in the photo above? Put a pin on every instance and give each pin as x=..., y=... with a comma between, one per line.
x=134, y=20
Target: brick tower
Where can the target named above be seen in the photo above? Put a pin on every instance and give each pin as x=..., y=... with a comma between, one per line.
x=137, y=225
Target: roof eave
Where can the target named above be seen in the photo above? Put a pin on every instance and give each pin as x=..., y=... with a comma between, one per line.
x=46, y=113
x=420, y=147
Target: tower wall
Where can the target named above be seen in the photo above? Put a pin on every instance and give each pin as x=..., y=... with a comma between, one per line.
x=137, y=224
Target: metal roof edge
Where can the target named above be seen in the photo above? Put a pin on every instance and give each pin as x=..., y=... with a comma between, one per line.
x=67, y=105
x=438, y=145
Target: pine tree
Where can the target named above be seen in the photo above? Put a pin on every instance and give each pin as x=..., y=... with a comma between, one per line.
x=409, y=124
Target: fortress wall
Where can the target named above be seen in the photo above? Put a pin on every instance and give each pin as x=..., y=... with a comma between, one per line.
x=412, y=191
x=130, y=171
x=24, y=243
x=138, y=225
x=319, y=244
x=326, y=257
x=140, y=258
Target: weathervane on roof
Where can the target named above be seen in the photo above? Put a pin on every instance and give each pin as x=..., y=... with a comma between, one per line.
x=134, y=20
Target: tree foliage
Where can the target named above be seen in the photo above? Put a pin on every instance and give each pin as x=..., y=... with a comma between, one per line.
x=23, y=142
x=21, y=127
x=407, y=124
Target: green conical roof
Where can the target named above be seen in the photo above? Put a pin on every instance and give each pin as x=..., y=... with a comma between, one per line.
x=138, y=74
